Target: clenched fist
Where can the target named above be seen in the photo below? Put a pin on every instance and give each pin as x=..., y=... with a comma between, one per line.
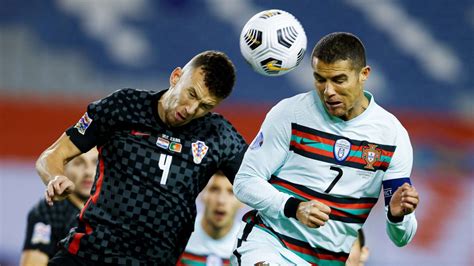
x=58, y=189
x=313, y=213
x=404, y=201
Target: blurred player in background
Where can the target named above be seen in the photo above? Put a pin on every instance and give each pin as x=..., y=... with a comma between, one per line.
x=213, y=239
x=49, y=224
x=157, y=151
x=315, y=169
x=359, y=252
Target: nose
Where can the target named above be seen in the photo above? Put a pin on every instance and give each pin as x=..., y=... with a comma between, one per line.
x=192, y=107
x=90, y=170
x=221, y=198
x=329, y=89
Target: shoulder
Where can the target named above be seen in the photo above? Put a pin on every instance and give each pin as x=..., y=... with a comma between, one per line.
x=390, y=119
x=390, y=124
x=219, y=123
x=288, y=106
x=132, y=95
x=217, y=129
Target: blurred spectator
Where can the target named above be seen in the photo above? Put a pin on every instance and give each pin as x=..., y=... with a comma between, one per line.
x=47, y=225
x=215, y=229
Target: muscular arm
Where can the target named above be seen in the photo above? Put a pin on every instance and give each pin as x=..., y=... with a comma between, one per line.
x=33, y=257
x=50, y=167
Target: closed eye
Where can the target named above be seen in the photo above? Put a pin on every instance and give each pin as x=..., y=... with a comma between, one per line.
x=192, y=94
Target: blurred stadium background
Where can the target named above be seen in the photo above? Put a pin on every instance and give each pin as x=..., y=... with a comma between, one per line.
x=56, y=56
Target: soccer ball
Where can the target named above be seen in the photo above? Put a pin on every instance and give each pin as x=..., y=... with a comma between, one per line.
x=273, y=42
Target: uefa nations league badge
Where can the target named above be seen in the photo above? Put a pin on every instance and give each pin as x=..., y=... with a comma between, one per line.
x=342, y=148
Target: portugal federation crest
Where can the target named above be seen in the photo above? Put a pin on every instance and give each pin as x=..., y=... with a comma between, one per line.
x=199, y=150
x=371, y=154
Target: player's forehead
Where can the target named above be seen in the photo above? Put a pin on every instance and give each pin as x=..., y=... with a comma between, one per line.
x=329, y=70
x=219, y=181
x=200, y=88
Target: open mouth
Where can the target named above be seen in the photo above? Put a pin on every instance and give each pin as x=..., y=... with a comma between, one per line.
x=87, y=183
x=333, y=104
x=220, y=214
x=180, y=117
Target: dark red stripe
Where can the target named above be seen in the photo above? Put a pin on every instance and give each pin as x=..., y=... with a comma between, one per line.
x=331, y=142
x=312, y=253
x=193, y=257
x=312, y=137
x=74, y=246
x=311, y=149
x=325, y=201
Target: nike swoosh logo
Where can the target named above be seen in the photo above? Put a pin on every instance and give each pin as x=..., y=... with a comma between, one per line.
x=138, y=133
x=304, y=142
x=270, y=65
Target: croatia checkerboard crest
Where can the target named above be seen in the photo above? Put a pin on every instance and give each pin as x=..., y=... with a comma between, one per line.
x=273, y=42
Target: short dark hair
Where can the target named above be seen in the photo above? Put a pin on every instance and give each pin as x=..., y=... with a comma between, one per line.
x=340, y=46
x=219, y=72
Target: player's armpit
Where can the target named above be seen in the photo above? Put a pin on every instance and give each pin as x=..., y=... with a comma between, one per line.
x=33, y=257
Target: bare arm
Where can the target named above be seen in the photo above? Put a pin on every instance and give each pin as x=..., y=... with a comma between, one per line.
x=50, y=167
x=33, y=257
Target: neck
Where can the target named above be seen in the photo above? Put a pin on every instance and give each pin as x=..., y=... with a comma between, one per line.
x=76, y=201
x=213, y=231
x=358, y=108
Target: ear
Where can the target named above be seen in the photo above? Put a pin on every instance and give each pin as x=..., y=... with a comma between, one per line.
x=364, y=73
x=364, y=254
x=175, y=75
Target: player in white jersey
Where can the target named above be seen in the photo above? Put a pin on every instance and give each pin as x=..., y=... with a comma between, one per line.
x=316, y=168
x=215, y=230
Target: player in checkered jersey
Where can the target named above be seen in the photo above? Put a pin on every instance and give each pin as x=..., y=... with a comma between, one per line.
x=47, y=225
x=157, y=151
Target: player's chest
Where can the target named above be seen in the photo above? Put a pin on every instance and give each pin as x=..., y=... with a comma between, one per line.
x=356, y=149
x=163, y=148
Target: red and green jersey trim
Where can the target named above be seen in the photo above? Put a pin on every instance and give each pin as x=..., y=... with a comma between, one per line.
x=315, y=256
x=319, y=145
x=348, y=210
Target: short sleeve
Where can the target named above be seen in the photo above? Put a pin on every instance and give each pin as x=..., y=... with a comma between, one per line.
x=97, y=122
x=234, y=147
x=402, y=161
x=39, y=233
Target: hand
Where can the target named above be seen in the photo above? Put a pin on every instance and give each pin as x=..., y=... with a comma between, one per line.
x=58, y=189
x=313, y=213
x=404, y=201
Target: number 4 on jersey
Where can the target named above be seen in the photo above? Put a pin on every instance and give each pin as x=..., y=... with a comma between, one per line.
x=165, y=164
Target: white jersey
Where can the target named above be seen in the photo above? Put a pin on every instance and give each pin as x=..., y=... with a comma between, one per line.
x=303, y=152
x=204, y=250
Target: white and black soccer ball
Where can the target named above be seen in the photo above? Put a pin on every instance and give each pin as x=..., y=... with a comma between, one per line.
x=273, y=42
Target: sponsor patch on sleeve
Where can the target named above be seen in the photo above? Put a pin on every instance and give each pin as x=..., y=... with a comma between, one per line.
x=83, y=123
x=257, y=142
x=41, y=234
